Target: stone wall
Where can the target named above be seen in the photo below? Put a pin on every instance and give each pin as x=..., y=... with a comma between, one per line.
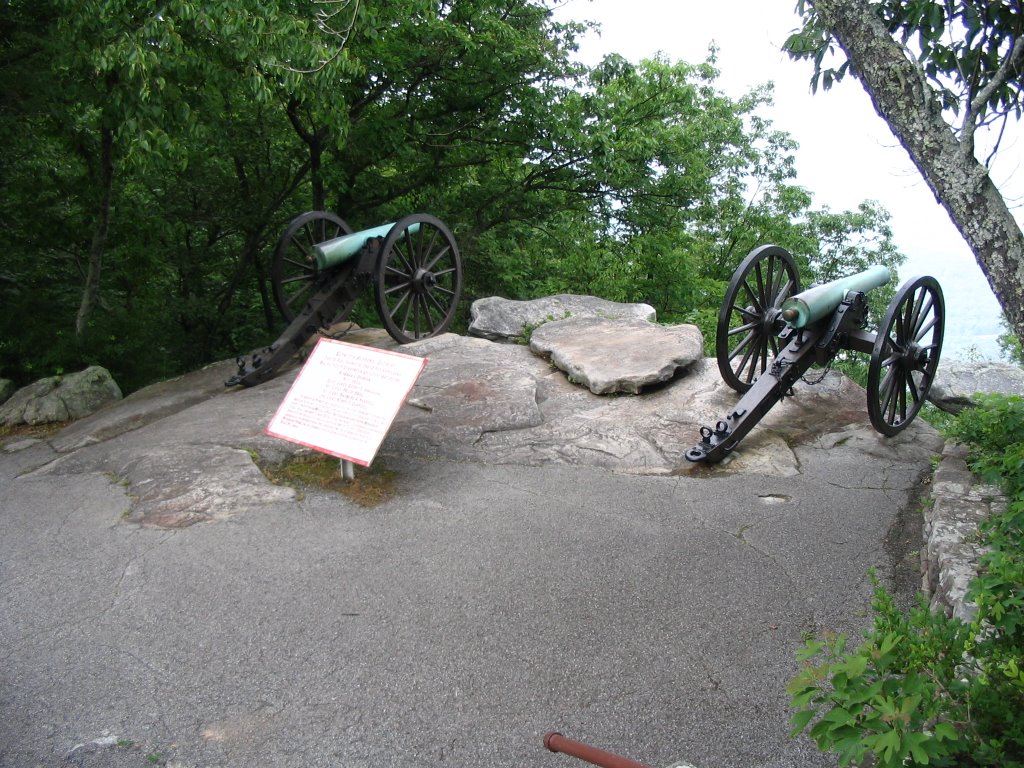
x=949, y=559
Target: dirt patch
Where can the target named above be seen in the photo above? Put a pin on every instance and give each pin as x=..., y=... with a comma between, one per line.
x=371, y=487
x=38, y=431
x=903, y=544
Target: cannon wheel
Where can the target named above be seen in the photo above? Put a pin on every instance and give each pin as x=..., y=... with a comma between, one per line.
x=293, y=272
x=905, y=355
x=418, y=279
x=747, y=323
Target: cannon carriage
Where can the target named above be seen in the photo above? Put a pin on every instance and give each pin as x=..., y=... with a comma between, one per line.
x=321, y=268
x=770, y=333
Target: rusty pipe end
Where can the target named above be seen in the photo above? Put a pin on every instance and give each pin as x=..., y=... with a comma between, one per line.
x=547, y=740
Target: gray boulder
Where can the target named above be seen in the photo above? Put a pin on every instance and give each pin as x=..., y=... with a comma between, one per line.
x=7, y=389
x=610, y=356
x=61, y=398
x=957, y=382
x=501, y=319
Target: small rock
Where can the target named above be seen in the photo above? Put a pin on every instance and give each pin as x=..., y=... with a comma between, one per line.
x=104, y=742
x=957, y=382
x=60, y=398
x=499, y=319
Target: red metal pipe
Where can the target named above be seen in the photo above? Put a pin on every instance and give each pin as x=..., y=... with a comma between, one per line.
x=556, y=742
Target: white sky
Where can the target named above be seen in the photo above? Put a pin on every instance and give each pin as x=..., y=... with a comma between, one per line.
x=847, y=153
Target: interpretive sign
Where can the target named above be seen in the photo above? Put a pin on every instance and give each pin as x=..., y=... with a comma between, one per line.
x=344, y=399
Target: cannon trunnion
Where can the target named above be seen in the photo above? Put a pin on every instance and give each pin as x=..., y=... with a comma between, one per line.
x=769, y=334
x=321, y=268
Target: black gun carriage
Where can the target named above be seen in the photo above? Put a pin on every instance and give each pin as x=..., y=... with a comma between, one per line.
x=321, y=268
x=769, y=334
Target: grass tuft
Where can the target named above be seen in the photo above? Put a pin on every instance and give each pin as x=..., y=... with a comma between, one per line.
x=371, y=487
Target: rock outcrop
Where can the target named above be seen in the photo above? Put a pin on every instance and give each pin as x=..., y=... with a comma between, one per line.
x=501, y=319
x=477, y=401
x=951, y=552
x=957, y=382
x=500, y=403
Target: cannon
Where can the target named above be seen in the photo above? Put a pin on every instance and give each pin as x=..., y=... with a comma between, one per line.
x=321, y=268
x=769, y=334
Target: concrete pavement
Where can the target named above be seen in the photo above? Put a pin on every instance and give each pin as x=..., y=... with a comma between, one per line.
x=654, y=615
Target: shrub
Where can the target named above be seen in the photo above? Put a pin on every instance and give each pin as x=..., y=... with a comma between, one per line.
x=924, y=689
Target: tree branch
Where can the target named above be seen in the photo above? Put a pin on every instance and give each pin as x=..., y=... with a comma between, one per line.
x=977, y=105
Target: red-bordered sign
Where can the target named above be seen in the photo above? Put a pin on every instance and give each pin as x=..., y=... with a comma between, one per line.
x=345, y=398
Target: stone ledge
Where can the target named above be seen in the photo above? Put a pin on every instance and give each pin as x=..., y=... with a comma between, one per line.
x=949, y=559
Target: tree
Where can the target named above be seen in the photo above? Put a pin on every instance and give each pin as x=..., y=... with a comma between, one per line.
x=123, y=83
x=638, y=182
x=645, y=183
x=937, y=71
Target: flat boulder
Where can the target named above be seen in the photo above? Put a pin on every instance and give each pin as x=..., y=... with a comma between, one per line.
x=501, y=319
x=957, y=382
x=618, y=356
x=60, y=398
x=474, y=387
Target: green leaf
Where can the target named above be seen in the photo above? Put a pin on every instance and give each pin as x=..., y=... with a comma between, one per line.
x=889, y=643
x=800, y=721
x=855, y=666
x=945, y=731
x=887, y=745
x=803, y=698
x=917, y=751
x=810, y=649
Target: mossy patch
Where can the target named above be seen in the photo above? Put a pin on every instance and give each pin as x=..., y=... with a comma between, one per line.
x=528, y=328
x=372, y=485
x=33, y=430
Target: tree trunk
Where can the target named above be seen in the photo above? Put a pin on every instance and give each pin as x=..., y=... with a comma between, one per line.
x=961, y=184
x=314, y=140
x=91, y=291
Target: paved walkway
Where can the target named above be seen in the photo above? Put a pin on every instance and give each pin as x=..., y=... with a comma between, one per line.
x=161, y=603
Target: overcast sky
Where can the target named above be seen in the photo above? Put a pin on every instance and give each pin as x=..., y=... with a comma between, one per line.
x=847, y=153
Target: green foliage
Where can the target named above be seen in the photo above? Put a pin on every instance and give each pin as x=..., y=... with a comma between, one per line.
x=965, y=49
x=994, y=430
x=886, y=698
x=222, y=120
x=528, y=328
x=851, y=242
x=924, y=689
x=1010, y=347
x=937, y=417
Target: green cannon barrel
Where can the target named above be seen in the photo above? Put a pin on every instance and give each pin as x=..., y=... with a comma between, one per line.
x=821, y=300
x=330, y=253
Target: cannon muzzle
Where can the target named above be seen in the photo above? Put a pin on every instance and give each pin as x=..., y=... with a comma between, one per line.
x=330, y=253
x=820, y=301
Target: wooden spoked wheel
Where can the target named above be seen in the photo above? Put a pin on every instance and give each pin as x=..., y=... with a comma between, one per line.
x=293, y=272
x=905, y=355
x=750, y=317
x=418, y=279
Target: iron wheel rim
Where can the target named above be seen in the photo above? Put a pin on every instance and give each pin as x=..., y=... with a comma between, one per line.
x=293, y=273
x=745, y=338
x=418, y=279
x=905, y=355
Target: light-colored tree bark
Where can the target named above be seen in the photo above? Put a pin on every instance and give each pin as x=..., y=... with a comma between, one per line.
x=961, y=184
